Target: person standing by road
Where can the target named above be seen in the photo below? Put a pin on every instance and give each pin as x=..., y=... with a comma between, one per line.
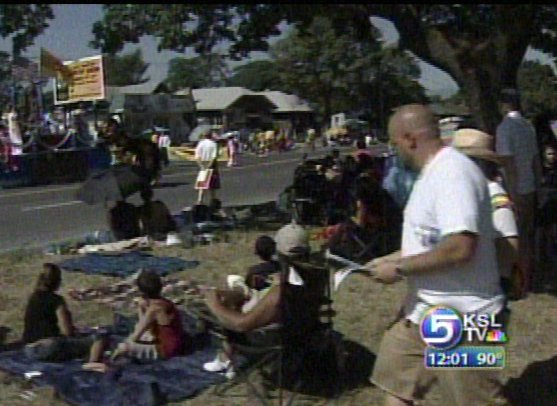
x=310, y=140
x=206, y=153
x=163, y=141
x=516, y=140
x=231, y=147
x=448, y=257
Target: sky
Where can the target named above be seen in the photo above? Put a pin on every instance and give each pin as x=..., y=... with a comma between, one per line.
x=70, y=32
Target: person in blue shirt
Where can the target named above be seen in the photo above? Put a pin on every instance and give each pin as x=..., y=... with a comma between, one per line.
x=399, y=180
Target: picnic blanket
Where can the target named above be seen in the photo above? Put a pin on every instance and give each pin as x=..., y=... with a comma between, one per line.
x=125, y=264
x=129, y=383
x=121, y=295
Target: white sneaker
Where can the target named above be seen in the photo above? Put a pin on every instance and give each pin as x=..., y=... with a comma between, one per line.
x=230, y=373
x=216, y=365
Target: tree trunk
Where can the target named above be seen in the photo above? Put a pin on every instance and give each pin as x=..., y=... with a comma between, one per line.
x=482, y=93
x=327, y=103
x=482, y=66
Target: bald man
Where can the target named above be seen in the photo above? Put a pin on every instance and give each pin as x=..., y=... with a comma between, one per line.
x=447, y=256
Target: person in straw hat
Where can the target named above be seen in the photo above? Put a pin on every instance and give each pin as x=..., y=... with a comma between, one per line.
x=477, y=145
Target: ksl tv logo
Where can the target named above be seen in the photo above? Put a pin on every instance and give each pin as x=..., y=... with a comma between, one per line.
x=443, y=327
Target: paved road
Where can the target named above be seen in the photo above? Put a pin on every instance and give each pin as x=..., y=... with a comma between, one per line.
x=32, y=217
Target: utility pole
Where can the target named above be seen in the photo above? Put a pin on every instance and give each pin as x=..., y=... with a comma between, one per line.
x=13, y=92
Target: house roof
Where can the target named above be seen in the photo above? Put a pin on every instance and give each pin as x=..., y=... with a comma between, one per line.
x=217, y=98
x=286, y=103
x=142, y=88
x=221, y=98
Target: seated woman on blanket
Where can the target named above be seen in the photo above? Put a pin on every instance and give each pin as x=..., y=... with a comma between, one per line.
x=255, y=325
x=373, y=230
x=49, y=333
x=158, y=332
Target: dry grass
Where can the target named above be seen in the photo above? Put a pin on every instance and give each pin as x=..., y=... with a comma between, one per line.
x=364, y=310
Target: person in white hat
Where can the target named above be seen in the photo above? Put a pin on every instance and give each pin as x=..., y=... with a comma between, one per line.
x=477, y=145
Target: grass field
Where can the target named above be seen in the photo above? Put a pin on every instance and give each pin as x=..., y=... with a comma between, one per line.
x=364, y=309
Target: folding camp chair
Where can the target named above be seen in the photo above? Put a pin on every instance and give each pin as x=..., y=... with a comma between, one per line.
x=359, y=245
x=305, y=332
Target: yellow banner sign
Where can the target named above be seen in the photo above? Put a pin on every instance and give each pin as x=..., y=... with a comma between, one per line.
x=86, y=83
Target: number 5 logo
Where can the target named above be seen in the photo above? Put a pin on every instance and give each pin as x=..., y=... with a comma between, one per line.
x=441, y=327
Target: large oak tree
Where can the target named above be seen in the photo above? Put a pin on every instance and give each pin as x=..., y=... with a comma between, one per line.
x=480, y=46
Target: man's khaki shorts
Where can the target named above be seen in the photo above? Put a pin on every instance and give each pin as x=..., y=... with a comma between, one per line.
x=399, y=370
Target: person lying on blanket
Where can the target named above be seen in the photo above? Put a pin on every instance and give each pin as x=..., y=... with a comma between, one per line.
x=49, y=333
x=158, y=334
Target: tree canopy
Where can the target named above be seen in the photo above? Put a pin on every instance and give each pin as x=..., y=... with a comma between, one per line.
x=127, y=69
x=23, y=23
x=257, y=76
x=196, y=72
x=481, y=46
x=537, y=84
x=340, y=74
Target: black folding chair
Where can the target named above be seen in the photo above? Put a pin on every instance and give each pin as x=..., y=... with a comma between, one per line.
x=305, y=333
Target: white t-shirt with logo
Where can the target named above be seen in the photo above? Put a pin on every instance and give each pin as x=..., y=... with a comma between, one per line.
x=206, y=150
x=450, y=197
x=516, y=137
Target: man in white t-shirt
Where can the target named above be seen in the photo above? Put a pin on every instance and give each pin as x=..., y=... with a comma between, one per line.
x=206, y=153
x=448, y=257
x=516, y=139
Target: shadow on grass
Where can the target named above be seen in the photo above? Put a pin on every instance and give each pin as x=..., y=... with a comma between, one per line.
x=323, y=377
x=259, y=217
x=8, y=346
x=543, y=279
x=164, y=185
x=4, y=333
x=536, y=386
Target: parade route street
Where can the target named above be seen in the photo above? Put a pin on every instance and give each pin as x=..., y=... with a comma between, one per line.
x=31, y=217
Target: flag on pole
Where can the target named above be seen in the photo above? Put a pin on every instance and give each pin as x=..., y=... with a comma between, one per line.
x=53, y=67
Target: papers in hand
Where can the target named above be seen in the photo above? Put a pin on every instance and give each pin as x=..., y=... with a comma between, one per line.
x=350, y=267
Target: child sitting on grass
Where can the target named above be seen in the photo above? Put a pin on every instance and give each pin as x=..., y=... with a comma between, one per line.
x=159, y=317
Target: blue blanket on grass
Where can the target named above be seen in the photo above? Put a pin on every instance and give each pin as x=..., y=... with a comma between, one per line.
x=172, y=380
x=125, y=264
x=129, y=383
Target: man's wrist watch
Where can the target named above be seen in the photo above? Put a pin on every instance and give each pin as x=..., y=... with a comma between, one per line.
x=401, y=270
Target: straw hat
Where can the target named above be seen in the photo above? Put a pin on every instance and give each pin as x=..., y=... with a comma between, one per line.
x=476, y=144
